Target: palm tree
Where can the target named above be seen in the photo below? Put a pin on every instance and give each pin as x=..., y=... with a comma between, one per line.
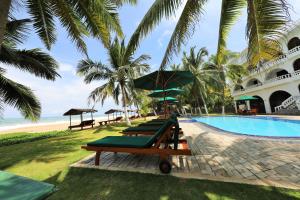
x=119, y=73
x=33, y=61
x=266, y=19
x=225, y=70
x=194, y=63
x=175, y=67
x=79, y=17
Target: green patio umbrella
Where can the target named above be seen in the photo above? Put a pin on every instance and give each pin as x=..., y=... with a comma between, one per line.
x=162, y=80
x=167, y=99
x=168, y=92
x=246, y=98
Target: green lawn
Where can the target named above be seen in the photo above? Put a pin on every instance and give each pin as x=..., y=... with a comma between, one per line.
x=47, y=158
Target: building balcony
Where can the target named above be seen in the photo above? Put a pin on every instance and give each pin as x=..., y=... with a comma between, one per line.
x=280, y=60
x=269, y=83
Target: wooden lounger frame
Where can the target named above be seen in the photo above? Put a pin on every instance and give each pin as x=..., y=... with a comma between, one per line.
x=161, y=147
x=136, y=133
x=83, y=124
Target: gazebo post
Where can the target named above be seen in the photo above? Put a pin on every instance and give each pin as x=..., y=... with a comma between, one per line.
x=92, y=119
x=70, y=121
x=81, y=118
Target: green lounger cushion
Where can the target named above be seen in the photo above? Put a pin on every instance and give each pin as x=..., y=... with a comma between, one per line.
x=142, y=128
x=122, y=141
x=13, y=187
x=131, y=142
x=152, y=124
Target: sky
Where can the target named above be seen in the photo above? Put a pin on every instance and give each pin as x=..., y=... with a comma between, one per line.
x=70, y=91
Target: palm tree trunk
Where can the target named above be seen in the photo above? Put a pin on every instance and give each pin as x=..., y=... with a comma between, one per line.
x=223, y=89
x=138, y=109
x=204, y=102
x=4, y=10
x=223, y=100
x=125, y=107
x=198, y=105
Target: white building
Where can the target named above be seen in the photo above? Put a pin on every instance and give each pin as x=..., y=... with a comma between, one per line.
x=276, y=84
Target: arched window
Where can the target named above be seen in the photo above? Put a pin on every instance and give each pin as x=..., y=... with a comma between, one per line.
x=294, y=42
x=258, y=104
x=296, y=65
x=276, y=73
x=253, y=82
x=277, y=98
x=238, y=88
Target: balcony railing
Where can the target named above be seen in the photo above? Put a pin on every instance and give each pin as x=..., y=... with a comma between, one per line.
x=286, y=103
x=278, y=78
x=282, y=77
x=276, y=61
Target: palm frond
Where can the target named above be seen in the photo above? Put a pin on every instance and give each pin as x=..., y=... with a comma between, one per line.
x=101, y=93
x=265, y=25
x=115, y=56
x=16, y=31
x=99, y=17
x=120, y=3
x=71, y=21
x=20, y=97
x=41, y=12
x=158, y=10
x=231, y=10
x=33, y=61
x=93, y=70
x=184, y=28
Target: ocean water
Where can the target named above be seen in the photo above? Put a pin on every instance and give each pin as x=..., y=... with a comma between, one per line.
x=258, y=126
x=12, y=123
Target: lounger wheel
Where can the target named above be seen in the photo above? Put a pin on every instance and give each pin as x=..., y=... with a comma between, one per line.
x=165, y=166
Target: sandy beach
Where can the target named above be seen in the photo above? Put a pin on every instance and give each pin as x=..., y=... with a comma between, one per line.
x=39, y=128
x=44, y=127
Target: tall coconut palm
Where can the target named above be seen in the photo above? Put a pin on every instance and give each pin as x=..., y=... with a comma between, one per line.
x=224, y=70
x=266, y=19
x=33, y=61
x=194, y=63
x=119, y=73
x=79, y=17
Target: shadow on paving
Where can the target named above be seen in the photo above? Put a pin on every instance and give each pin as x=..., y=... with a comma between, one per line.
x=90, y=184
x=249, y=153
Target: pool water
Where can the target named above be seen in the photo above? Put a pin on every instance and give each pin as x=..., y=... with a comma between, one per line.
x=258, y=126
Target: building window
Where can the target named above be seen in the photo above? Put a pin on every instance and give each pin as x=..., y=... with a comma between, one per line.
x=253, y=82
x=276, y=73
x=296, y=65
x=238, y=88
x=294, y=42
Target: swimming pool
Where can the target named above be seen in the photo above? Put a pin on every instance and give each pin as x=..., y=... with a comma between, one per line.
x=257, y=126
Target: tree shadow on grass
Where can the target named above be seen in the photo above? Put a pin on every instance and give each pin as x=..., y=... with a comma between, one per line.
x=80, y=183
x=46, y=151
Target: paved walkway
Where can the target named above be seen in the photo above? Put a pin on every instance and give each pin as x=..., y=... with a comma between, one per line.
x=220, y=156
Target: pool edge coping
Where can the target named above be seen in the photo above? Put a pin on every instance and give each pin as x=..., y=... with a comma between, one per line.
x=218, y=130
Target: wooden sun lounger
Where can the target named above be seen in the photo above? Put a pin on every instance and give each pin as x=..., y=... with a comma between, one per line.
x=158, y=144
x=109, y=121
x=145, y=130
x=83, y=124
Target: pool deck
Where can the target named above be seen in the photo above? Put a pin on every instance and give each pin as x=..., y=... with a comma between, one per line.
x=219, y=156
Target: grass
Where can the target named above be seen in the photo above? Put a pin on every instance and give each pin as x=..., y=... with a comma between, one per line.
x=17, y=138
x=93, y=184
x=48, y=159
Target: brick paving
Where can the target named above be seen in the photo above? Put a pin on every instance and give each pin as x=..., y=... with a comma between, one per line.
x=219, y=156
x=223, y=154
